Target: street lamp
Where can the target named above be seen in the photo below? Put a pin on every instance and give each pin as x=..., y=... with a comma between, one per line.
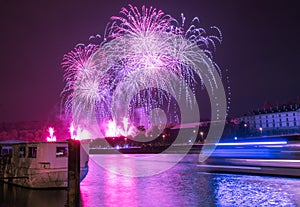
x=163, y=136
x=201, y=133
x=260, y=129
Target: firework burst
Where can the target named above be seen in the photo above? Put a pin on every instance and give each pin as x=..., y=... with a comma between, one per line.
x=144, y=51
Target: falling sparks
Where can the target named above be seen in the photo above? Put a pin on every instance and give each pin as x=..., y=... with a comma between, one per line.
x=142, y=53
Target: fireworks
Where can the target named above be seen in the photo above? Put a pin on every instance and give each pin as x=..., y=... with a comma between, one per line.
x=113, y=130
x=145, y=58
x=51, y=137
x=84, y=87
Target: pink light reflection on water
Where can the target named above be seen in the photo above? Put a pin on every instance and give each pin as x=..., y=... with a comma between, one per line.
x=102, y=187
x=116, y=190
x=182, y=185
x=120, y=189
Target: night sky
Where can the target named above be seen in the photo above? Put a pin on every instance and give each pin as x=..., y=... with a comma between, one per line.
x=260, y=48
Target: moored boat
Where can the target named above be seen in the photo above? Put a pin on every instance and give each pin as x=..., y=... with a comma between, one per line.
x=38, y=164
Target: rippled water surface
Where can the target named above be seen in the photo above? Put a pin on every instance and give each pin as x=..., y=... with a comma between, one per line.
x=181, y=185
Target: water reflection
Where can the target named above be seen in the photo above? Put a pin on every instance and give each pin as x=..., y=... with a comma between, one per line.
x=175, y=187
x=119, y=190
x=182, y=185
x=11, y=196
x=244, y=190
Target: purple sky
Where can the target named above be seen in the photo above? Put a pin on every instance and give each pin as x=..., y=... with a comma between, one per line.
x=260, y=48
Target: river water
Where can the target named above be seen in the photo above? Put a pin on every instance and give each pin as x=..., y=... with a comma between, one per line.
x=181, y=185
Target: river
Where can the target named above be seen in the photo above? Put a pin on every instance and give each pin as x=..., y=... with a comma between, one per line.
x=181, y=185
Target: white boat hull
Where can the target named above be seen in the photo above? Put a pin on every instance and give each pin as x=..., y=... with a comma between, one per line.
x=47, y=170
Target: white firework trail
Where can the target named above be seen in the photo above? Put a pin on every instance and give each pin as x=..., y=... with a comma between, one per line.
x=142, y=51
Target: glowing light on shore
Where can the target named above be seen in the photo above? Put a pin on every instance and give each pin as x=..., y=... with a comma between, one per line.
x=83, y=134
x=115, y=130
x=79, y=133
x=51, y=137
x=127, y=128
x=112, y=129
x=72, y=131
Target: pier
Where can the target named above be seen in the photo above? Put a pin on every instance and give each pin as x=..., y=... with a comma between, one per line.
x=73, y=173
